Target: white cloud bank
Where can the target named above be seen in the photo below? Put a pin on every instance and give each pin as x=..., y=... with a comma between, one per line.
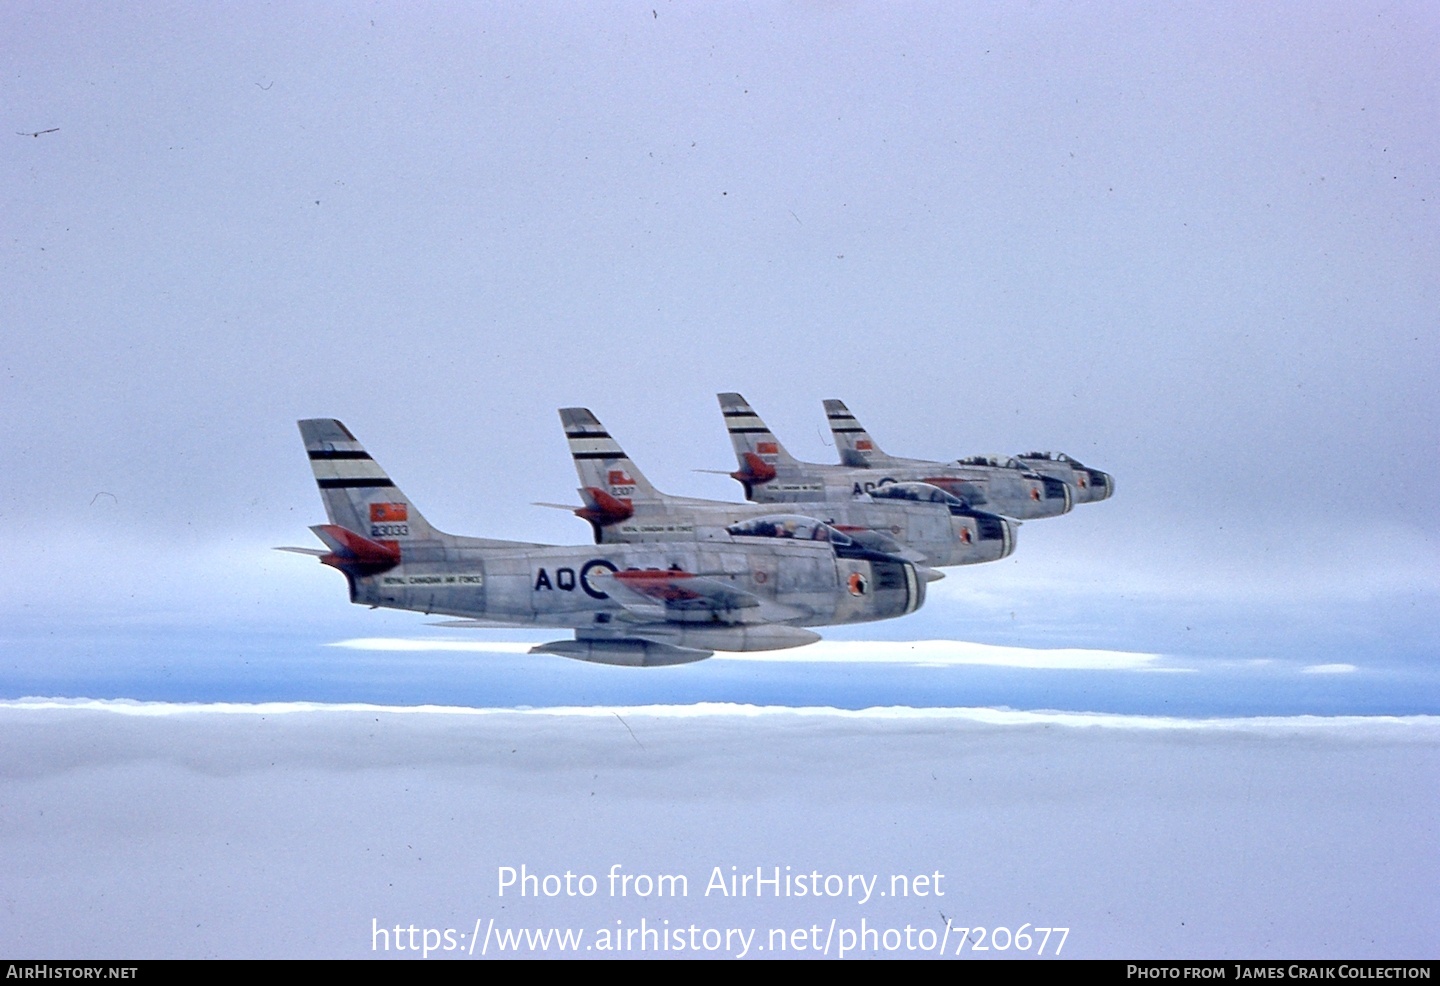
x=1420, y=728
x=284, y=830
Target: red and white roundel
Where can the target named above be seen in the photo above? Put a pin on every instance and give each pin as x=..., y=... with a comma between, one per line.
x=858, y=585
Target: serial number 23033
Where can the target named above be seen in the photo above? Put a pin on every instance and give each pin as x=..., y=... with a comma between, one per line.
x=389, y=530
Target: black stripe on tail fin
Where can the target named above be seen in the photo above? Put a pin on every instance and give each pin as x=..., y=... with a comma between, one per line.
x=357, y=493
x=758, y=451
x=602, y=464
x=854, y=443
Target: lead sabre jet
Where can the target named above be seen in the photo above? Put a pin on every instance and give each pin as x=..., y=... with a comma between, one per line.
x=643, y=604
x=914, y=520
x=770, y=474
x=858, y=449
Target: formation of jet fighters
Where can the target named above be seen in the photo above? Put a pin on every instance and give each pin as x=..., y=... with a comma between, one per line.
x=673, y=579
x=918, y=523
x=772, y=475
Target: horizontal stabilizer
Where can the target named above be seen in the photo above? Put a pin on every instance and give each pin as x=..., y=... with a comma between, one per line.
x=602, y=508
x=356, y=553
x=753, y=469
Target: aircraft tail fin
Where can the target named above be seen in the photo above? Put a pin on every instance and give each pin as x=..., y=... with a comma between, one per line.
x=758, y=451
x=610, y=482
x=854, y=443
x=359, y=497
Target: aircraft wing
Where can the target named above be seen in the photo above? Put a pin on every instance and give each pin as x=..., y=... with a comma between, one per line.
x=478, y=624
x=684, y=597
x=676, y=591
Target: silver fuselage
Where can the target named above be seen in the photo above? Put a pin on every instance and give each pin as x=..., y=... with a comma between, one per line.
x=800, y=584
x=1010, y=492
x=931, y=529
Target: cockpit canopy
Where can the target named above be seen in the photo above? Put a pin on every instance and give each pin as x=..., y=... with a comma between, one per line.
x=794, y=527
x=916, y=493
x=995, y=461
x=1052, y=457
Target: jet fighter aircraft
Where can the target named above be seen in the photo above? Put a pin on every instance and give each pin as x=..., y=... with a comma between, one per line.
x=1088, y=485
x=623, y=507
x=858, y=449
x=770, y=474
x=663, y=603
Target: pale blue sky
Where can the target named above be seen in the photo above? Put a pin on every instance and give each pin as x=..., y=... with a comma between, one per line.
x=1197, y=247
